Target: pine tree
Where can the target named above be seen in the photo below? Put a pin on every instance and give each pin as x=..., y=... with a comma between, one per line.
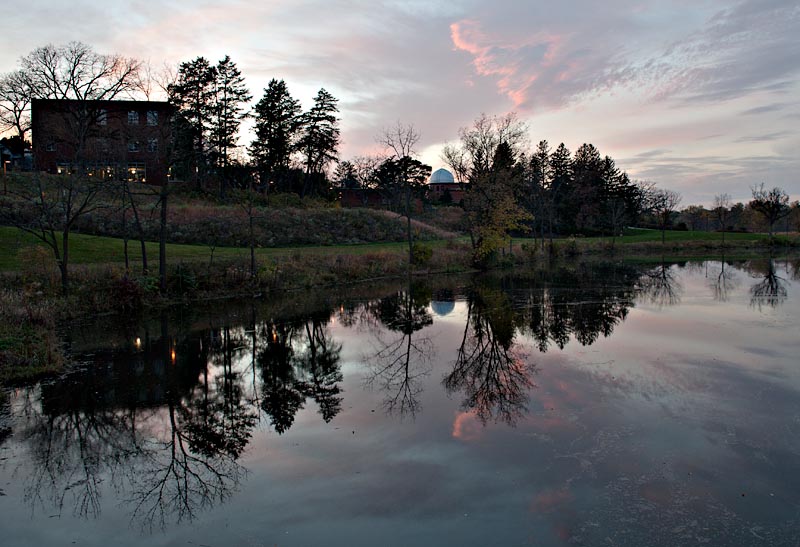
x=586, y=195
x=194, y=97
x=277, y=117
x=561, y=186
x=230, y=96
x=320, y=138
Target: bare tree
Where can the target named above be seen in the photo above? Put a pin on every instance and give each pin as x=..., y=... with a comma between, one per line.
x=50, y=207
x=457, y=159
x=400, y=141
x=773, y=204
x=722, y=210
x=15, y=102
x=664, y=203
x=478, y=144
x=75, y=71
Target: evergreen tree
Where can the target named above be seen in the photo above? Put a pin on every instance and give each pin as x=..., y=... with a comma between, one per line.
x=194, y=97
x=278, y=121
x=587, y=191
x=561, y=186
x=230, y=96
x=320, y=139
x=345, y=175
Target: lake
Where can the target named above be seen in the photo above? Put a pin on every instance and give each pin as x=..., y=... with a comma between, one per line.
x=583, y=404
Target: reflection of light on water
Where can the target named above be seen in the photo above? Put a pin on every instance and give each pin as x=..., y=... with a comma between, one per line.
x=172, y=355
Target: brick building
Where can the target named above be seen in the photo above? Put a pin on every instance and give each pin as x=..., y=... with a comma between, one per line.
x=113, y=140
x=443, y=184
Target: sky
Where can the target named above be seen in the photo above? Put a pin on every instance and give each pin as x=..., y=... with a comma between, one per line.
x=697, y=96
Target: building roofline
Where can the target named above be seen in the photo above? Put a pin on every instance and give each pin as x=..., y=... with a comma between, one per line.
x=120, y=102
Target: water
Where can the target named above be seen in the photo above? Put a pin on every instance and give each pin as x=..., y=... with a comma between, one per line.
x=600, y=404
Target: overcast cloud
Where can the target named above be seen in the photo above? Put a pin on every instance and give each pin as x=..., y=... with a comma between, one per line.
x=698, y=96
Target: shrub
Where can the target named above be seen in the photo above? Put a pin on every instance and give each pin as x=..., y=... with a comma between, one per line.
x=127, y=294
x=420, y=254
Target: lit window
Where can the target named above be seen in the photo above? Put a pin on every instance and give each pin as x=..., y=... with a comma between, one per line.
x=133, y=118
x=64, y=169
x=152, y=144
x=102, y=117
x=133, y=146
x=137, y=172
x=152, y=117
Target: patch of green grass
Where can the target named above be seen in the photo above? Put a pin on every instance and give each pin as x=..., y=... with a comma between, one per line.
x=27, y=352
x=88, y=249
x=640, y=235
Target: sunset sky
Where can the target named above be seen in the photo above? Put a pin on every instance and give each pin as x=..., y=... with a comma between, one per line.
x=700, y=96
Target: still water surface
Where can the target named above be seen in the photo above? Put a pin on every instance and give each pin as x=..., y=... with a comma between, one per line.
x=603, y=404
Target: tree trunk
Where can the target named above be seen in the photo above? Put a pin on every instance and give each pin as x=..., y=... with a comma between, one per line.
x=125, y=241
x=162, y=242
x=408, y=225
x=252, y=247
x=139, y=230
x=63, y=264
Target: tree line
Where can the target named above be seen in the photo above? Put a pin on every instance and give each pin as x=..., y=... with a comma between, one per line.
x=290, y=150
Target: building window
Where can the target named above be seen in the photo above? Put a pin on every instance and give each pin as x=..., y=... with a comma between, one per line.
x=152, y=144
x=133, y=146
x=50, y=147
x=102, y=117
x=101, y=171
x=133, y=118
x=152, y=117
x=65, y=169
x=137, y=172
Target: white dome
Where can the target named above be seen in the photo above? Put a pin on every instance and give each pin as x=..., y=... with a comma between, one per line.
x=442, y=176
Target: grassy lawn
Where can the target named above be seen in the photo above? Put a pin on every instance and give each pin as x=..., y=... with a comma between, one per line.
x=87, y=249
x=640, y=235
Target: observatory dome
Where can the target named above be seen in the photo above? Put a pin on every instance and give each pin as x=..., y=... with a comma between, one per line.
x=442, y=176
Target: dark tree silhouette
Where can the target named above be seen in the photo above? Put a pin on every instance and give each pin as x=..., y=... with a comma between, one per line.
x=492, y=374
x=772, y=205
x=771, y=290
x=397, y=366
x=660, y=286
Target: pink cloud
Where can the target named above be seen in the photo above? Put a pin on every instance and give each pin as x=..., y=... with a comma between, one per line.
x=516, y=65
x=467, y=427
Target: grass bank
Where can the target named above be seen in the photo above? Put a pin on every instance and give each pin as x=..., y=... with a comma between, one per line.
x=29, y=346
x=32, y=306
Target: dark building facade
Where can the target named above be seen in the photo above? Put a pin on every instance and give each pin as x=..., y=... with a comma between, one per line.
x=114, y=140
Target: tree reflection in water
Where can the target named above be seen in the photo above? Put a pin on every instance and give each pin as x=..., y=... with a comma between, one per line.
x=660, y=286
x=771, y=290
x=398, y=365
x=585, y=303
x=489, y=370
x=168, y=442
x=164, y=423
x=723, y=282
x=299, y=361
